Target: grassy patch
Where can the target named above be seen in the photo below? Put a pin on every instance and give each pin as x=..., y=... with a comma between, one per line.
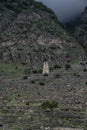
x=12, y=69
x=49, y=105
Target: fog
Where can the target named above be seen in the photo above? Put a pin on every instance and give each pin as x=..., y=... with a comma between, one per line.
x=66, y=9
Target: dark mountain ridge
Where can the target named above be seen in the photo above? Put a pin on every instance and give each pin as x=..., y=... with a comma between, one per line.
x=80, y=32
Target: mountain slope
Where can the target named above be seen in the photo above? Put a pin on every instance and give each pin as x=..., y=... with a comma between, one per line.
x=81, y=30
x=30, y=34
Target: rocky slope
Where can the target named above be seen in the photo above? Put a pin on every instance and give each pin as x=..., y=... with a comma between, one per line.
x=80, y=31
x=30, y=34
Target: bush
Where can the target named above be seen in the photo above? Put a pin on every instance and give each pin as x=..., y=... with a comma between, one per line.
x=28, y=71
x=38, y=93
x=76, y=74
x=25, y=77
x=36, y=71
x=67, y=66
x=86, y=83
x=53, y=47
x=27, y=103
x=49, y=105
x=85, y=70
x=46, y=74
x=51, y=68
x=42, y=83
x=57, y=76
x=57, y=66
x=33, y=81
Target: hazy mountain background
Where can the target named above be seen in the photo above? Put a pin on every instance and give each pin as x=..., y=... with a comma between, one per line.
x=66, y=10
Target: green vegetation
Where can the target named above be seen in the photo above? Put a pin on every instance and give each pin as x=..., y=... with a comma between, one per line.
x=33, y=70
x=86, y=83
x=36, y=70
x=36, y=36
x=77, y=74
x=41, y=83
x=46, y=74
x=67, y=66
x=25, y=77
x=16, y=5
x=33, y=81
x=57, y=66
x=57, y=76
x=7, y=69
x=28, y=70
x=85, y=70
x=49, y=105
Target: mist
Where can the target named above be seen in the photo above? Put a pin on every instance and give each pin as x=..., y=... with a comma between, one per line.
x=66, y=10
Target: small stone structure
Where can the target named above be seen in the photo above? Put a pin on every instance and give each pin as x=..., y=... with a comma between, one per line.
x=45, y=68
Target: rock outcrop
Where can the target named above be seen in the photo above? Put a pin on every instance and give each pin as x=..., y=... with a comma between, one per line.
x=80, y=31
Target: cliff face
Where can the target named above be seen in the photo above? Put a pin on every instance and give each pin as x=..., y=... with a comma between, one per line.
x=81, y=30
x=31, y=33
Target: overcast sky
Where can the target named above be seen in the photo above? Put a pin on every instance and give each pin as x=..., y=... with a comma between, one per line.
x=66, y=9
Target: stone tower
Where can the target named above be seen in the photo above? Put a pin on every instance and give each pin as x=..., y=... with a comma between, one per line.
x=45, y=68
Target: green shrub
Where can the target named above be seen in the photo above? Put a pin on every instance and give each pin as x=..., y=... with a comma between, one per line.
x=51, y=68
x=25, y=77
x=67, y=66
x=49, y=105
x=57, y=76
x=32, y=81
x=86, y=83
x=36, y=71
x=27, y=70
x=41, y=83
x=76, y=74
x=38, y=93
x=57, y=66
x=27, y=103
x=85, y=70
x=53, y=47
x=46, y=74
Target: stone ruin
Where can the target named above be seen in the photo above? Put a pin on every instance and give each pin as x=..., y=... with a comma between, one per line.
x=45, y=68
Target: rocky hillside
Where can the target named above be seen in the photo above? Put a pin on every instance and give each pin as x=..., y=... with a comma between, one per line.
x=80, y=31
x=30, y=33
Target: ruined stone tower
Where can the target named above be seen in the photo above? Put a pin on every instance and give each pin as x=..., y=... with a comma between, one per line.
x=45, y=68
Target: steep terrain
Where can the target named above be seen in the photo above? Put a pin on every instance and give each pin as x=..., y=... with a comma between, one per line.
x=80, y=31
x=30, y=34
